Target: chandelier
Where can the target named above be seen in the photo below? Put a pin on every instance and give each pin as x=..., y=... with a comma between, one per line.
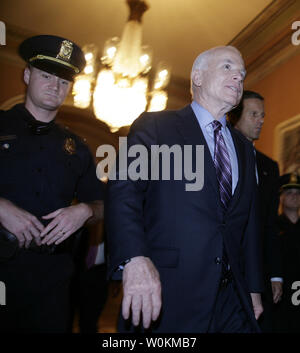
x=118, y=84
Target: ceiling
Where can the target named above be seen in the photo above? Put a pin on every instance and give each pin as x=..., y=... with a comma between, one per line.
x=177, y=30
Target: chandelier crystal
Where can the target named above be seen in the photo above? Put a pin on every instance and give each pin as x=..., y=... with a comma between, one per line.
x=121, y=90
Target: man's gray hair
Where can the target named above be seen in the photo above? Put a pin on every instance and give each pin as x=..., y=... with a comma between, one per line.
x=201, y=62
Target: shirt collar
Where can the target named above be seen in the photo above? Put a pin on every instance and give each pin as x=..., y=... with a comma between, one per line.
x=36, y=126
x=204, y=117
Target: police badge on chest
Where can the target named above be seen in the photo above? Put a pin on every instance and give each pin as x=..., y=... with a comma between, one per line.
x=69, y=145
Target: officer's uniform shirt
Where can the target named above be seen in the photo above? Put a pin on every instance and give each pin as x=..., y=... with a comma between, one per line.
x=44, y=167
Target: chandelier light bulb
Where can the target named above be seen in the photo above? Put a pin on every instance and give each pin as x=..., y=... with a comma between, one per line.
x=88, y=56
x=82, y=92
x=109, y=51
x=88, y=69
x=158, y=101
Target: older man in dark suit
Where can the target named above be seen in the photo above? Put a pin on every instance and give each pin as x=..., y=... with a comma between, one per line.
x=248, y=118
x=190, y=257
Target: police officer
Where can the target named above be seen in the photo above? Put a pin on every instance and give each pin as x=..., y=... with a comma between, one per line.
x=287, y=315
x=44, y=168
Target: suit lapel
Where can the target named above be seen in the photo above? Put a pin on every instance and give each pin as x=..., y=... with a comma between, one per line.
x=260, y=169
x=189, y=128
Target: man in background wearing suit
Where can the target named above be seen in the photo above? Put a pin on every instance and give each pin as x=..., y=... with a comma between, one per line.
x=190, y=260
x=248, y=118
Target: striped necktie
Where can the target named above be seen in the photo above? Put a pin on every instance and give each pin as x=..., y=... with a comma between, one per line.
x=222, y=165
x=224, y=177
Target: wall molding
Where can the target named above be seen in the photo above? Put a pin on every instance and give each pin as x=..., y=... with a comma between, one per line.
x=286, y=146
x=266, y=42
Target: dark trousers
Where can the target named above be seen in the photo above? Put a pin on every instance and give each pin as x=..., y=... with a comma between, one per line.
x=229, y=316
x=266, y=320
x=88, y=296
x=37, y=293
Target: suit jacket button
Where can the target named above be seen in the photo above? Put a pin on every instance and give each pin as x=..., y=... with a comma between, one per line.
x=218, y=260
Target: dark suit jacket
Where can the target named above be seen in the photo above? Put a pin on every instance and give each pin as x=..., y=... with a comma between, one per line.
x=183, y=231
x=268, y=186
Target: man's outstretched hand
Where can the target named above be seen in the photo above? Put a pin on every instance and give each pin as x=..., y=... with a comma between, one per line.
x=142, y=291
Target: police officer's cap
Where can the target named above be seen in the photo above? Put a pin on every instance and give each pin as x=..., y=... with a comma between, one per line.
x=55, y=55
x=289, y=181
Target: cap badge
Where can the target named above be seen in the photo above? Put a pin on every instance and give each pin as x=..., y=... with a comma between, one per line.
x=69, y=145
x=65, y=51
